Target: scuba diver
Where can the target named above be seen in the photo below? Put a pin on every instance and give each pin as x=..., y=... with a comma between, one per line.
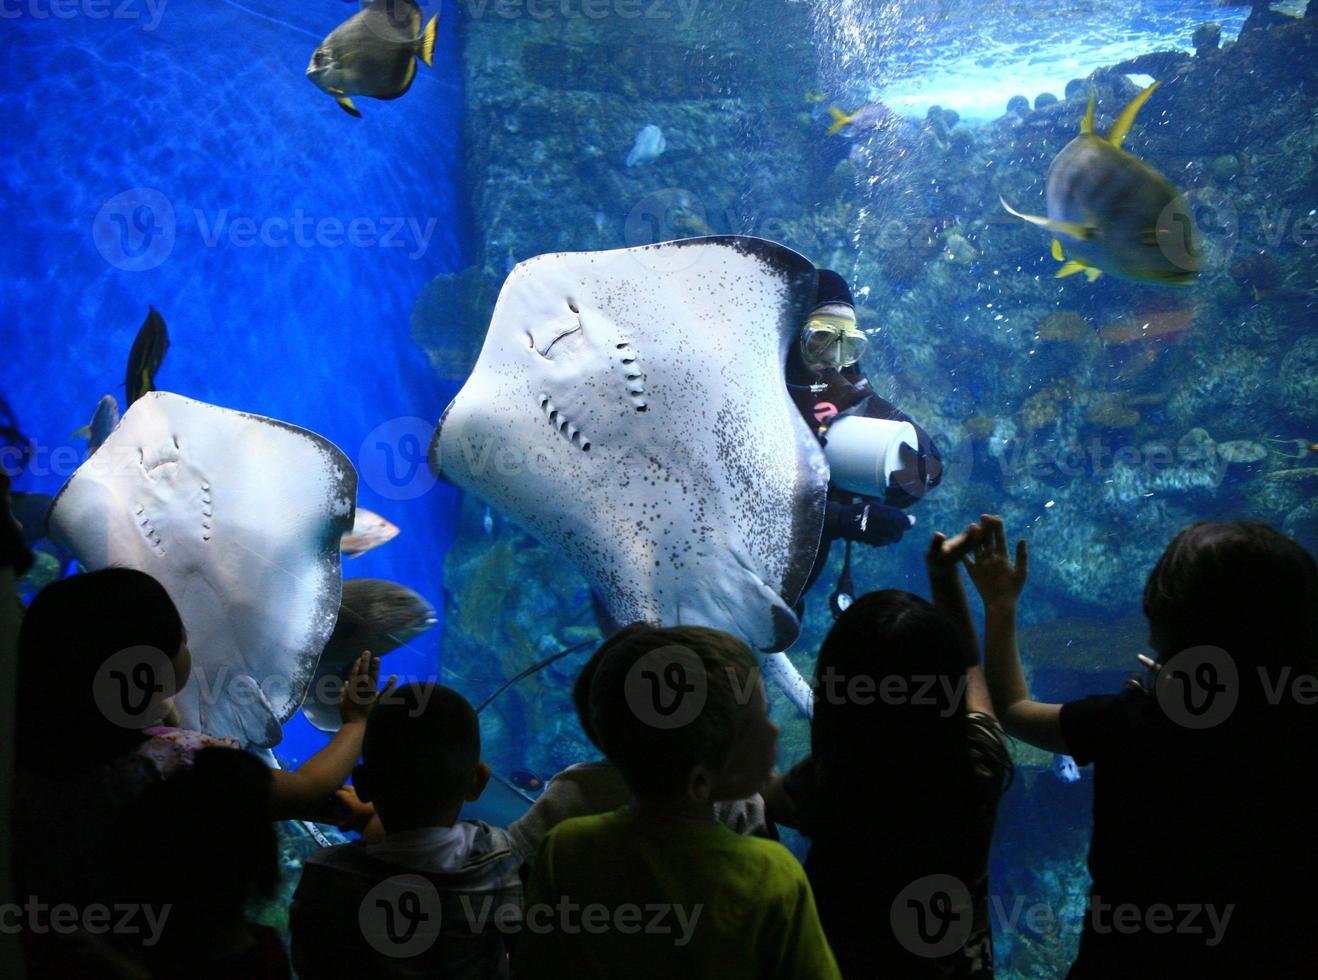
x=879, y=460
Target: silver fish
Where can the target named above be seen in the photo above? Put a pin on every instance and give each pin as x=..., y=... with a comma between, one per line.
x=369, y=530
x=102, y=423
x=374, y=53
x=374, y=615
x=1115, y=212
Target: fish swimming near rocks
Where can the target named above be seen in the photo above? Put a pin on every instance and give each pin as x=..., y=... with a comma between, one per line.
x=1115, y=212
x=369, y=530
x=649, y=144
x=239, y=517
x=374, y=53
x=876, y=115
x=102, y=423
x=144, y=359
x=374, y=615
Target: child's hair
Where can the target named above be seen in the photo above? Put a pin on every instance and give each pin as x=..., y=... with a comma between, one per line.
x=71, y=628
x=1243, y=587
x=581, y=688
x=201, y=843
x=890, y=720
x=656, y=761
x=422, y=746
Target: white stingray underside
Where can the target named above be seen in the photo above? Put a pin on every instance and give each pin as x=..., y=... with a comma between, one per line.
x=629, y=408
x=239, y=518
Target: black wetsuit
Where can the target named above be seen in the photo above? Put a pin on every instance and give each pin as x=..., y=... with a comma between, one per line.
x=824, y=395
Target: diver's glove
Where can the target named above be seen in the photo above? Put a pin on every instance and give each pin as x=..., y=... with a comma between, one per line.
x=14, y=553
x=870, y=523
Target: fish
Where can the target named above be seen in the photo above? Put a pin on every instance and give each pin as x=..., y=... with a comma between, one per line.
x=814, y=96
x=1065, y=769
x=369, y=530
x=649, y=144
x=375, y=615
x=525, y=779
x=248, y=551
x=103, y=421
x=710, y=518
x=876, y=115
x=1116, y=213
x=144, y=359
x=374, y=53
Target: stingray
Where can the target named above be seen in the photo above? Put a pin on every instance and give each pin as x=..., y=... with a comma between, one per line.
x=239, y=518
x=629, y=408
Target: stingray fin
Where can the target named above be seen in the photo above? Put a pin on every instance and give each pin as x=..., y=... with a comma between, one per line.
x=348, y=107
x=253, y=719
x=1124, y=121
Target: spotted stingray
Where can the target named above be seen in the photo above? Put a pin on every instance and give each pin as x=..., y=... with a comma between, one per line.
x=629, y=408
x=239, y=517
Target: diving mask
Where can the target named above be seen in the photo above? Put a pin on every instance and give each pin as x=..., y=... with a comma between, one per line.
x=832, y=341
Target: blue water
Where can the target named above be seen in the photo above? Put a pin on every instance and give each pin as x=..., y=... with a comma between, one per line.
x=276, y=303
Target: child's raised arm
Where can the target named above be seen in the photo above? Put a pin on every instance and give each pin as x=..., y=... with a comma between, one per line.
x=999, y=584
x=302, y=793
x=941, y=561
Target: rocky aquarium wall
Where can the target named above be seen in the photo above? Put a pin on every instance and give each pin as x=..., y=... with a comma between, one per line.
x=1098, y=418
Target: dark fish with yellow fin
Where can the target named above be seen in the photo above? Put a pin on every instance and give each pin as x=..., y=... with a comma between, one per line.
x=145, y=358
x=1114, y=213
x=374, y=53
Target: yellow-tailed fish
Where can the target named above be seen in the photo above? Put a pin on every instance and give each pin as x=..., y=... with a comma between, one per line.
x=145, y=358
x=374, y=53
x=1114, y=212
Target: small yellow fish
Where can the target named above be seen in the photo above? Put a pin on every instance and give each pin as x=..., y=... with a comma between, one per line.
x=1116, y=213
x=374, y=53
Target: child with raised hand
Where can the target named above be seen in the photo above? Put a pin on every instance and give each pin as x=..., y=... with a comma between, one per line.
x=906, y=769
x=79, y=764
x=436, y=896
x=660, y=888
x=1201, y=856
